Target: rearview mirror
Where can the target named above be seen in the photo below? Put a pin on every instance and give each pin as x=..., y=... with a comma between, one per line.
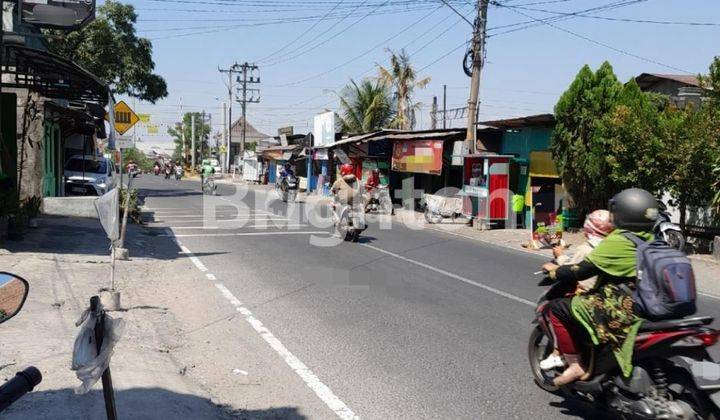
x=13, y=292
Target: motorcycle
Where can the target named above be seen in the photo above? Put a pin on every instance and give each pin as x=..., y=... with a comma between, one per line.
x=167, y=173
x=669, y=231
x=349, y=221
x=379, y=201
x=287, y=188
x=156, y=170
x=209, y=187
x=13, y=293
x=179, y=173
x=673, y=376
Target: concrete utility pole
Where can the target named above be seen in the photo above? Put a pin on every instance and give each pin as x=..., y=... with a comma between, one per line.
x=254, y=98
x=478, y=59
x=225, y=142
x=182, y=133
x=192, y=142
x=444, y=106
x=433, y=114
x=230, y=71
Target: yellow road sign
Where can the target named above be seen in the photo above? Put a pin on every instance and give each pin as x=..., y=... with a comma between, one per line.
x=125, y=117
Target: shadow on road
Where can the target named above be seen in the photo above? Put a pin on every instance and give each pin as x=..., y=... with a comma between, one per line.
x=134, y=403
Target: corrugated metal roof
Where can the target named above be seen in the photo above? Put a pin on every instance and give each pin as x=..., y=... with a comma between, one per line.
x=352, y=139
x=540, y=120
x=647, y=79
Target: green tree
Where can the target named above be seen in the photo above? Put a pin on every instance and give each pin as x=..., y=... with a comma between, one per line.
x=110, y=49
x=365, y=107
x=576, y=150
x=403, y=78
x=137, y=156
x=202, y=133
x=693, y=143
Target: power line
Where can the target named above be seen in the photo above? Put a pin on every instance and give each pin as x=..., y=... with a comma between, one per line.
x=656, y=22
x=456, y=12
x=373, y=48
x=583, y=37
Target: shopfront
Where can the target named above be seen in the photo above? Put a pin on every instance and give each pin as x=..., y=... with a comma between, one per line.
x=486, y=193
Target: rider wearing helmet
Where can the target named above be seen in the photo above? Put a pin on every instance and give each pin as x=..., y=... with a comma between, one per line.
x=596, y=227
x=606, y=313
x=344, y=186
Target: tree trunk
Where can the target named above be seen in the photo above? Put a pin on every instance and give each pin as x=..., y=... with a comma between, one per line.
x=683, y=214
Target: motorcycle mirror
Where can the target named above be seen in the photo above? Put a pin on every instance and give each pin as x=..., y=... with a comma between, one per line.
x=13, y=292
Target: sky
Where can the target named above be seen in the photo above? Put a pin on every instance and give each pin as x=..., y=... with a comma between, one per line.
x=308, y=50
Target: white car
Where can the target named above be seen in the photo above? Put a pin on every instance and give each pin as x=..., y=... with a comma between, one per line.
x=89, y=175
x=216, y=165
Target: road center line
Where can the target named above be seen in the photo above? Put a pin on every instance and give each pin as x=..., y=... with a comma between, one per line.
x=323, y=392
x=452, y=275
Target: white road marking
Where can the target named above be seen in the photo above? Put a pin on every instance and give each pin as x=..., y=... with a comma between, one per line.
x=194, y=259
x=323, y=392
x=709, y=295
x=211, y=276
x=453, y=275
x=202, y=217
x=189, y=235
x=255, y=226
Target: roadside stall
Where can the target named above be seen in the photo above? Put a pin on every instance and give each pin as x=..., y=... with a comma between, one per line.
x=486, y=192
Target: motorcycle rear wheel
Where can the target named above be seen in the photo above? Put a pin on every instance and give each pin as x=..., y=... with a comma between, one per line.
x=675, y=239
x=539, y=347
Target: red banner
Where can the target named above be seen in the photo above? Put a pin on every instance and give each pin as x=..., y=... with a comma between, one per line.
x=419, y=156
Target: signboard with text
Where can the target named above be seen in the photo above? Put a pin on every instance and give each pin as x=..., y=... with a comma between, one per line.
x=418, y=156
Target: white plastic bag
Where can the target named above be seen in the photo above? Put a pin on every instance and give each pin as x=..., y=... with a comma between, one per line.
x=86, y=362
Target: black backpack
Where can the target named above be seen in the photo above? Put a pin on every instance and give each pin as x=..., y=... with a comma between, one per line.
x=665, y=280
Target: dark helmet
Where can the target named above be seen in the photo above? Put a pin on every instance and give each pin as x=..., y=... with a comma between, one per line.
x=634, y=209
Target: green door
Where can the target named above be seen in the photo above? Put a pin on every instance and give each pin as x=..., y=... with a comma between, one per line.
x=51, y=168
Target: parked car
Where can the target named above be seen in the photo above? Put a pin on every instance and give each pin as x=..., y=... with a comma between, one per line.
x=89, y=175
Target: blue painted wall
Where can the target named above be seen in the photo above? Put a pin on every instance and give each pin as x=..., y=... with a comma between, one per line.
x=522, y=142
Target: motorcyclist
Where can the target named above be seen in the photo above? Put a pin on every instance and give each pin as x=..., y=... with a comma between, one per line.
x=606, y=314
x=596, y=227
x=285, y=171
x=344, y=186
x=371, y=186
x=206, y=171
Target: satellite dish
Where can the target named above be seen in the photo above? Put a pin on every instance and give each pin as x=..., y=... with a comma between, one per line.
x=58, y=14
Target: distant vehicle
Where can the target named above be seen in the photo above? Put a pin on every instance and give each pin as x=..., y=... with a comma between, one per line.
x=89, y=175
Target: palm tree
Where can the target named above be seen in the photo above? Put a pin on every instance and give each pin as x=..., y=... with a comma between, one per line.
x=365, y=107
x=402, y=77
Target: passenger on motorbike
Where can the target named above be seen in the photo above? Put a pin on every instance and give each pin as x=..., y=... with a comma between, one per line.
x=286, y=171
x=606, y=314
x=596, y=227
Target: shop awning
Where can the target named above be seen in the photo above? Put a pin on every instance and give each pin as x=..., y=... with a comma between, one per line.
x=542, y=165
x=50, y=75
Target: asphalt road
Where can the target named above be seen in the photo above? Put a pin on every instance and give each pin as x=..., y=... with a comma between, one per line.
x=406, y=324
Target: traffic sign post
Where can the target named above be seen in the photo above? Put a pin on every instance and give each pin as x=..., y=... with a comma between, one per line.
x=125, y=117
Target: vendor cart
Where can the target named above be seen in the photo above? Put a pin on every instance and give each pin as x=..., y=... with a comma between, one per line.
x=486, y=192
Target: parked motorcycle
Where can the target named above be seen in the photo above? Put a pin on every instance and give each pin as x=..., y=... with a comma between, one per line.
x=287, y=188
x=673, y=376
x=349, y=221
x=13, y=292
x=668, y=231
x=379, y=201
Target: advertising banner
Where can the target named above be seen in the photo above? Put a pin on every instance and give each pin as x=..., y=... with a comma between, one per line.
x=418, y=156
x=324, y=129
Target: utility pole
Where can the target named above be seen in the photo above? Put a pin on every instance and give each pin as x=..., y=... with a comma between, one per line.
x=444, y=106
x=433, y=114
x=182, y=132
x=225, y=142
x=192, y=142
x=230, y=71
x=254, y=98
x=202, y=136
x=478, y=59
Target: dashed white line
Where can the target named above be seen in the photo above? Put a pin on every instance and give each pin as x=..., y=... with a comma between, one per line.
x=322, y=391
x=211, y=276
x=190, y=235
x=254, y=226
x=452, y=275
